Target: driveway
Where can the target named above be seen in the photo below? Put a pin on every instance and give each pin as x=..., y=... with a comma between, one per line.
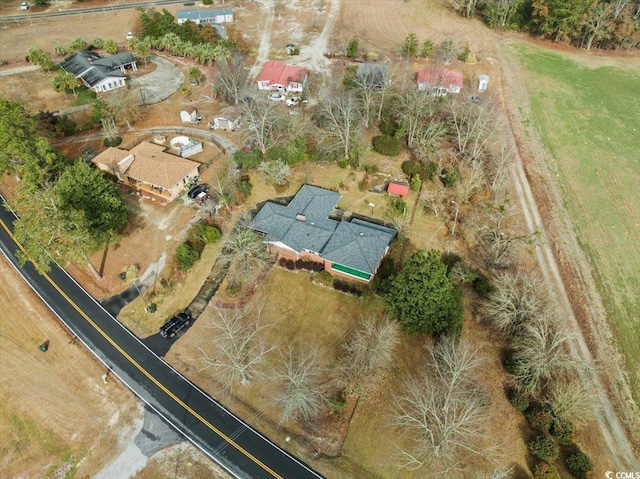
x=160, y=84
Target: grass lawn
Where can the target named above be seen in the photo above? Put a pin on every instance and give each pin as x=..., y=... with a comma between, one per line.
x=589, y=121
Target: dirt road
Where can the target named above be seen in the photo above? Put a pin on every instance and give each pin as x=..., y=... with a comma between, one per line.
x=611, y=429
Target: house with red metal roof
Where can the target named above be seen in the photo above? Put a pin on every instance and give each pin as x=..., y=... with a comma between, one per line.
x=439, y=81
x=276, y=76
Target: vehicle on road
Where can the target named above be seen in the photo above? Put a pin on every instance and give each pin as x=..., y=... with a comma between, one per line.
x=293, y=101
x=24, y=6
x=175, y=325
x=196, y=190
x=276, y=97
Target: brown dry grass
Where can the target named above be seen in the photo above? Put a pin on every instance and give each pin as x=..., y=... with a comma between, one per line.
x=52, y=404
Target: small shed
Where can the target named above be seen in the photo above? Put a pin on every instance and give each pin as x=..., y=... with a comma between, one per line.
x=398, y=188
x=189, y=115
x=227, y=119
x=483, y=82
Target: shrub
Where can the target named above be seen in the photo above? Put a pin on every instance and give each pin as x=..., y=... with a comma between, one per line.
x=415, y=183
x=542, y=470
x=386, y=145
x=450, y=177
x=465, y=54
x=539, y=418
x=324, y=277
x=578, y=464
x=511, y=364
x=207, y=2
x=427, y=48
x=373, y=169
x=426, y=171
x=290, y=265
x=398, y=206
x=247, y=159
x=244, y=188
x=282, y=262
x=450, y=260
x=482, y=285
x=562, y=431
x=353, y=47
x=112, y=141
x=66, y=125
x=186, y=256
x=389, y=126
x=207, y=233
x=544, y=448
x=519, y=401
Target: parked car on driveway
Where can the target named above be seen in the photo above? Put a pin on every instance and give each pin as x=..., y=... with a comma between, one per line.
x=293, y=101
x=196, y=190
x=24, y=6
x=175, y=325
x=276, y=97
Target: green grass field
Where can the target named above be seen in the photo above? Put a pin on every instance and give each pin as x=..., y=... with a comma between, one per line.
x=589, y=122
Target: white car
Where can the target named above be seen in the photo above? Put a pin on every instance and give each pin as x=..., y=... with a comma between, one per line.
x=293, y=101
x=129, y=36
x=276, y=97
x=24, y=6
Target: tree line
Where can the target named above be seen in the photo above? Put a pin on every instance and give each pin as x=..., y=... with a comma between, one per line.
x=609, y=24
x=67, y=209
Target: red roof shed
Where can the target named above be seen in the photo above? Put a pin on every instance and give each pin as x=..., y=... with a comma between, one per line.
x=398, y=188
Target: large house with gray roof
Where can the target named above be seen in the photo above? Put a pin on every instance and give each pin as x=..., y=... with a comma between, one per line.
x=303, y=229
x=100, y=73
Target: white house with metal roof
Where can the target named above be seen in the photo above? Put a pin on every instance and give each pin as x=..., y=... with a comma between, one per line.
x=205, y=17
x=303, y=229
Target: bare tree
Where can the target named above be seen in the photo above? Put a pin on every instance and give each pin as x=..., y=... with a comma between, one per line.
x=268, y=125
x=261, y=116
x=571, y=400
x=276, y=171
x=370, y=89
x=473, y=126
x=498, y=171
x=498, y=241
x=368, y=352
x=109, y=128
x=238, y=348
x=231, y=77
x=246, y=253
x=471, y=180
x=444, y=412
x=516, y=298
x=435, y=200
x=413, y=106
x=299, y=385
x=540, y=354
x=123, y=107
x=427, y=136
x=339, y=122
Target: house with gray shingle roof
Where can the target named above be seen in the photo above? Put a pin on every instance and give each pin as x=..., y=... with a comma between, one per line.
x=97, y=72
x=303, y=229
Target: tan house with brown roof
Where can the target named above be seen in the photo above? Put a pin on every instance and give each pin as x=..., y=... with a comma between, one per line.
x=147, y=167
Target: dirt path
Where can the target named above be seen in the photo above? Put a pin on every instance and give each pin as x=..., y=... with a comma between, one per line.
x=265, y=39
x=612, y=432
x=312, y=55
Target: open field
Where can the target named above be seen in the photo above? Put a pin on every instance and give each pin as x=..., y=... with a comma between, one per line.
x=589, y=123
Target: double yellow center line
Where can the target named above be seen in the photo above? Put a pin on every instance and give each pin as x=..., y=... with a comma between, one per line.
x=145, y=372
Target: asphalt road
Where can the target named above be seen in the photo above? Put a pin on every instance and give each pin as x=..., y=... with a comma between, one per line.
x=113, y=5
x=233, y=444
